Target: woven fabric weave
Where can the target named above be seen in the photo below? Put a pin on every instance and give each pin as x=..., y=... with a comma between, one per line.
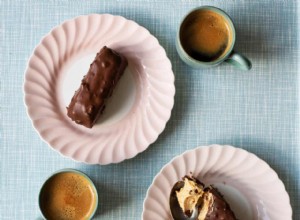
x=256, y=110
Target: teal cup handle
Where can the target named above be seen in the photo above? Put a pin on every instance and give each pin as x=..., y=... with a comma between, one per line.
x=239, y=61
x=230, y=56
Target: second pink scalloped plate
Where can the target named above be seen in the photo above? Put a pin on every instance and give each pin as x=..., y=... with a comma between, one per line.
x=249, y=184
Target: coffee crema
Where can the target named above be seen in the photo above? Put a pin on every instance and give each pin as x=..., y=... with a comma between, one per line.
x=205, y=35
x=67, y=196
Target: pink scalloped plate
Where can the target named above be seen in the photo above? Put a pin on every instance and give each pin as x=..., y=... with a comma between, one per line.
x=250, y=186
x=136, y=113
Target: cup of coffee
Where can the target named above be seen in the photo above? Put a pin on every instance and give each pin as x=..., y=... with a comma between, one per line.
x=68, y=194
x=206, y=38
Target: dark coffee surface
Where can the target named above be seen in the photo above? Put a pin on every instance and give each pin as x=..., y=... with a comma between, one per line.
x=67, y=196
x=205, y=35
x=96, y=87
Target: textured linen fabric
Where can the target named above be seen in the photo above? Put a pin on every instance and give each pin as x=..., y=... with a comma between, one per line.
x=256, y=110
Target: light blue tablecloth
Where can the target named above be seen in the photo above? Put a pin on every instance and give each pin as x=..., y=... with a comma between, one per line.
x=256, y=110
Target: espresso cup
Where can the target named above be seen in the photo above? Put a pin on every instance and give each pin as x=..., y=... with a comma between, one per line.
x=206, y=38
x=68, y=194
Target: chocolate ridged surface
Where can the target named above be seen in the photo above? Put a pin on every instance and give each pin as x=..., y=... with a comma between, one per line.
x=96, y=87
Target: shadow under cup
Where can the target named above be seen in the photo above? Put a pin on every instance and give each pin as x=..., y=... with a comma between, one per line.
x=206, y=37
x=68, y=194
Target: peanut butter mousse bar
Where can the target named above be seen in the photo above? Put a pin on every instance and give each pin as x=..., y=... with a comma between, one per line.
x=210, y=202
x=96, y=87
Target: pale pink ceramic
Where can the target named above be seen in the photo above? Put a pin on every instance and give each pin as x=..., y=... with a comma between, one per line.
x=139, y=108
x=250, y=185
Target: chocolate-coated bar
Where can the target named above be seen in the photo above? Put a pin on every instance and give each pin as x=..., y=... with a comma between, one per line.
x=191, y=194
x=97, y=85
